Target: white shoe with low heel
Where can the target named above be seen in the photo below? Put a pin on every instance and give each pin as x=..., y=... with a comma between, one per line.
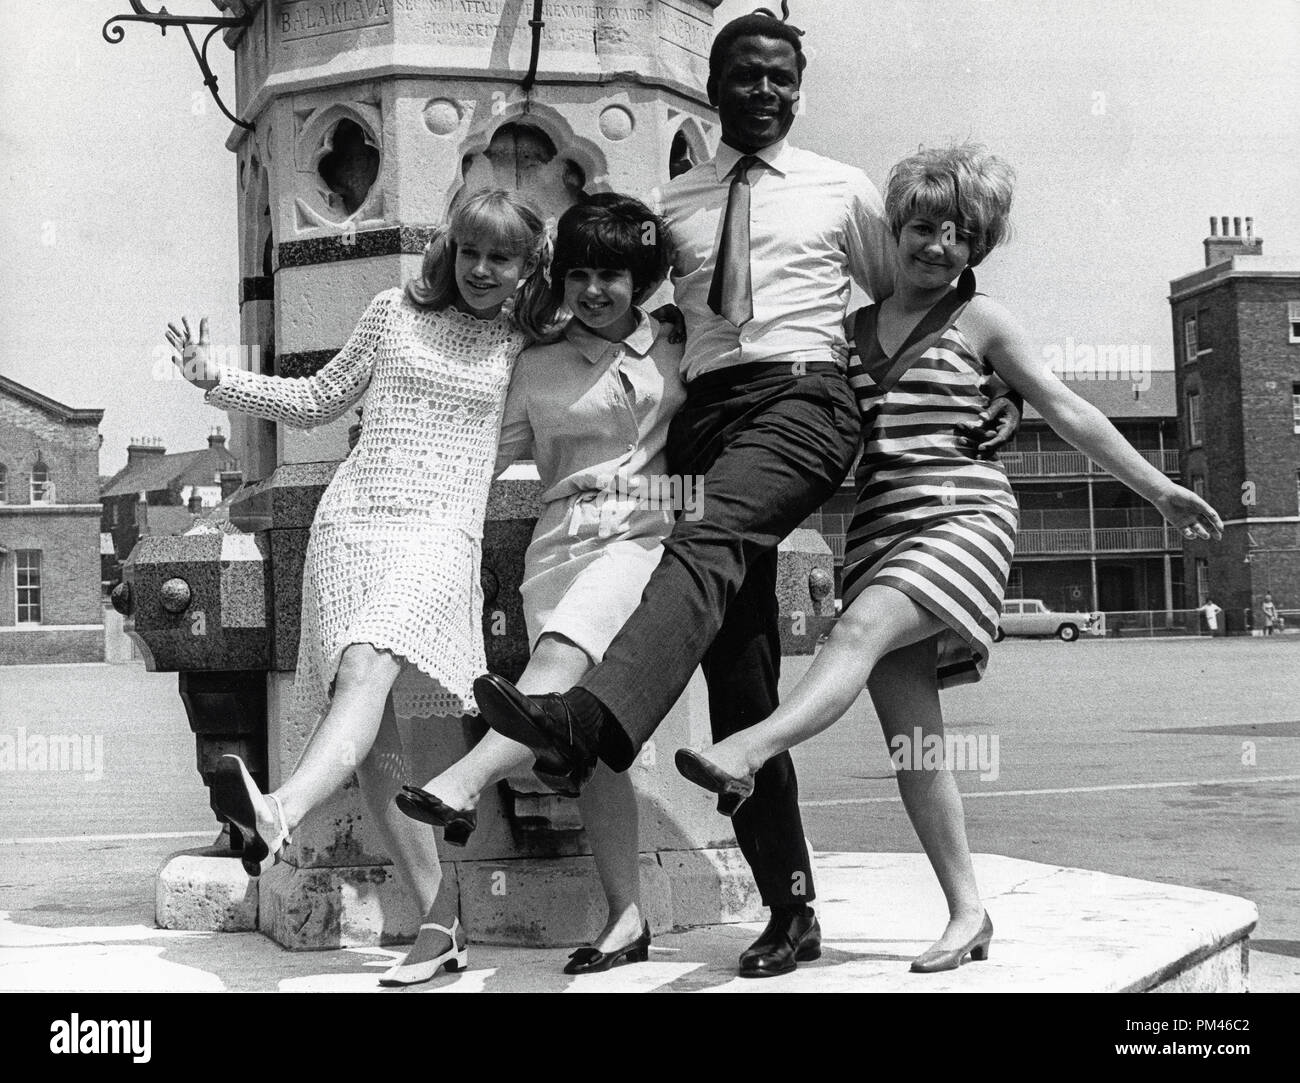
x=456, y=957
x=236, y=796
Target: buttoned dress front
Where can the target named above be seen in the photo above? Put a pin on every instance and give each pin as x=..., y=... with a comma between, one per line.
x=594, y=416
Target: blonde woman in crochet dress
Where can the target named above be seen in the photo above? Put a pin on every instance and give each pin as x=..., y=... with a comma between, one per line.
x=391, y=576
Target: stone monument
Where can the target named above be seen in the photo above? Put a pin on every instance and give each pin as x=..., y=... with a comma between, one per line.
x=359, y=125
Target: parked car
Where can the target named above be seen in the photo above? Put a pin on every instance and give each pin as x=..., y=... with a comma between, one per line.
x=1030, y=617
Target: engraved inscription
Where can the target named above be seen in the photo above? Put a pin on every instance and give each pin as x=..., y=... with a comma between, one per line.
x=684, y=29
x=297, y=19
x=570, y=24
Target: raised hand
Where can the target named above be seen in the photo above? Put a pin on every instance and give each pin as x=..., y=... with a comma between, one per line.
x=192, y=357
x=1187, y=511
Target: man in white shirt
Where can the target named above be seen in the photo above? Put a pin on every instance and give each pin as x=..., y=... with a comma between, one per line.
x=768, y=238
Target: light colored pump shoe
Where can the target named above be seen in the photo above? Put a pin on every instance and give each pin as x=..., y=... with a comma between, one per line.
x=456, y=957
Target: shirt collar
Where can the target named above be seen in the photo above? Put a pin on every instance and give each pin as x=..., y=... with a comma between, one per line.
x=595, y=349
x=776, y=156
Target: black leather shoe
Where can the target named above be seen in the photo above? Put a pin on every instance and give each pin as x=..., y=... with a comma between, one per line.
x=731, y=791
x=591, y=960
x=790, y=939
x=543, y=723
x=458, y=824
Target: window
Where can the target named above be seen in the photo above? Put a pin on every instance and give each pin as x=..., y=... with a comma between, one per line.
x=1202, y=581
x=1015, y=583
x=1189, y=338
x=1295, y=408
x=1293, y=320
x=1194, y=416
x=4, y=485
x=27, y=585
x=42, y=490
x=1198, y=485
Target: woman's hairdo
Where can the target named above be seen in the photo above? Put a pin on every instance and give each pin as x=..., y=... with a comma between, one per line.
x=761, y=24
x=492, y=216
x=611, y=231
x=963, y=184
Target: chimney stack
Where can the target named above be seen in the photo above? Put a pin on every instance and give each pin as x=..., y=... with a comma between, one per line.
x=1221, y=245
x=216, y=439
x=142, y=448
x=195, y=503
x=231, y=480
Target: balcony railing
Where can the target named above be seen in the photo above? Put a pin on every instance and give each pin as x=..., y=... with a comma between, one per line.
x=1050, y=464
x=1133, y=539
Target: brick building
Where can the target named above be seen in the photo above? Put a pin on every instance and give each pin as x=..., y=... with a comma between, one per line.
x=157, y=493
x=1087, y=541
x=50, y=609
x=1236, y=326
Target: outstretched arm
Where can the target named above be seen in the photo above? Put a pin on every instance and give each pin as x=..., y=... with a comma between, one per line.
x=1083, y=425
x=302, y=402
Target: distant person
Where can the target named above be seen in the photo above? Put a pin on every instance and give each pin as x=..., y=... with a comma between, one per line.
x=391, y=573
x=1272, y=619
x=1211, y=610
x=930, y=545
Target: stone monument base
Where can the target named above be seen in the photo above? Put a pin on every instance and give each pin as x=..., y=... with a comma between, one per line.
x=1055, y=930
x=520, y=902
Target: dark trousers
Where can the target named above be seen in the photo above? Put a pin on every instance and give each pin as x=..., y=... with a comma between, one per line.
x=767, y=447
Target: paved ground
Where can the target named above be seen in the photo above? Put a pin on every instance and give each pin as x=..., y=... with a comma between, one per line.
x=1130, y=757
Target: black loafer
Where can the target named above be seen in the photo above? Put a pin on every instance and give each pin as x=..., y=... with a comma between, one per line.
x=457, y=824
x=790, y=939
x=591, y=960
x=543, y=723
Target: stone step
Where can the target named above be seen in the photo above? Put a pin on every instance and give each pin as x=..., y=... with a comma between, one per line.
x=1055, y=929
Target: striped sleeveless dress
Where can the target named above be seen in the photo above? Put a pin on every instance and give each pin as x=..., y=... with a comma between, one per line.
x=930, y=519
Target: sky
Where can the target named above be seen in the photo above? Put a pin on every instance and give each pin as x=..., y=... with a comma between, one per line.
x=1129, y=123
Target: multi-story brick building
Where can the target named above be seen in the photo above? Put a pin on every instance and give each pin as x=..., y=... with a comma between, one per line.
x=50, y=609
x=157, y=493
x=1236, y=325
x=1087, y=541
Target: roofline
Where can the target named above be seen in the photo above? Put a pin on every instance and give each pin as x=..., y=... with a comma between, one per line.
x=35, y=398
x=1235, y=272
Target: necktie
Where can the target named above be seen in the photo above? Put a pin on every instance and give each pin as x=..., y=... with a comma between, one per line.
x=731, y=291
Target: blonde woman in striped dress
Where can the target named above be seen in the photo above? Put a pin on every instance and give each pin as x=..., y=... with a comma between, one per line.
x=933, y=533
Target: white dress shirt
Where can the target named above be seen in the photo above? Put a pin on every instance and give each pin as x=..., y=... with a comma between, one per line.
x=815, y=223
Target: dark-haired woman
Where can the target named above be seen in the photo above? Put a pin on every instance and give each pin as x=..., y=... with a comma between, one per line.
x=591, y=403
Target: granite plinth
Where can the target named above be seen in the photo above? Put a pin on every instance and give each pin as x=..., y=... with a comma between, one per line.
x=807, y=609
x=221, y=620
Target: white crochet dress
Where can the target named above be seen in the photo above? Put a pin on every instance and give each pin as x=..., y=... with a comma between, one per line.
x=393, y=557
